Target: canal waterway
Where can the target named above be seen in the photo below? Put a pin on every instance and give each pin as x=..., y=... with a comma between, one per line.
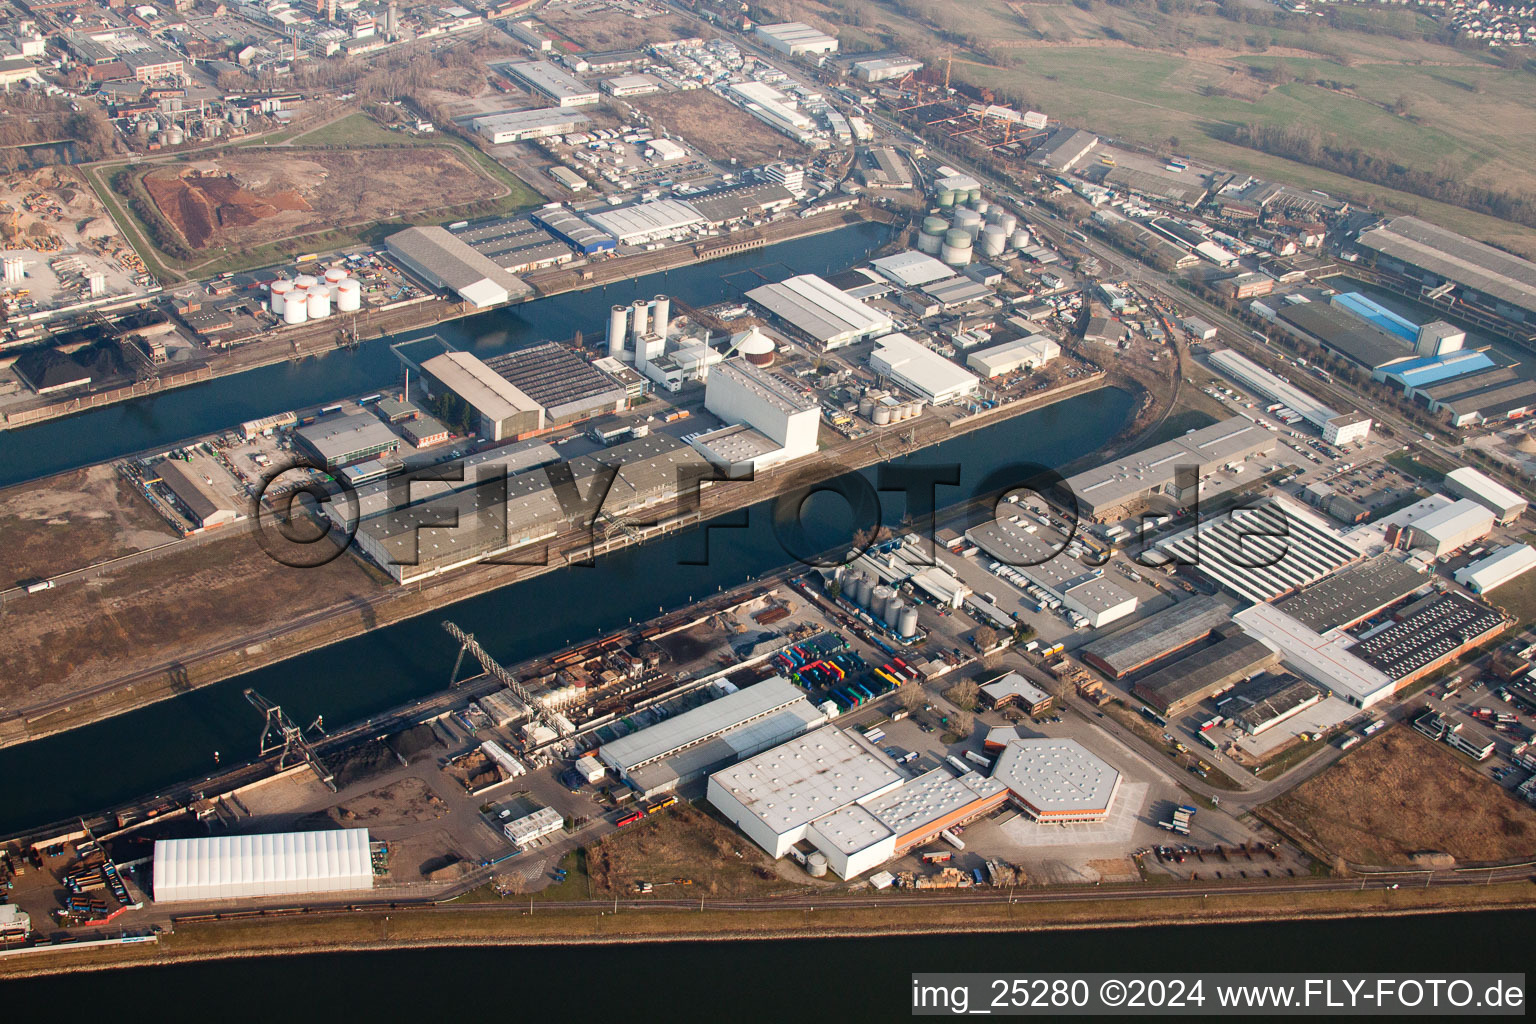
x=770, y=982
x=139, y=753
x=160, y=421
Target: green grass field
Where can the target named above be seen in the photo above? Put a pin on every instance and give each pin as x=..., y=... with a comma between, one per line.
x=360, y=130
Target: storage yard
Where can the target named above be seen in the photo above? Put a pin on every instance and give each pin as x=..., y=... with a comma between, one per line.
x=719, y=129
x=251, y=199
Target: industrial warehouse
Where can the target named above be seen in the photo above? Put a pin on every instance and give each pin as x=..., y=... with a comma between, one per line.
x=444, y=261
x=832, y=799
x=277, y=864
x=1502, y=283
x=820, y=312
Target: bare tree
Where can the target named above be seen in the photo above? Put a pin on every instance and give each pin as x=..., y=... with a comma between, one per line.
x=911, y=695
x=963, y=694
x=962, y=723
x=986, y=638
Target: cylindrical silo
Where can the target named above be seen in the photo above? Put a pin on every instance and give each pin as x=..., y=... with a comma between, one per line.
x=982, y=207
x=15, y=270
x=618, y=327
x=1008, y=222
x=1020, y=239
x=956, y=250
x=642, y=314
x=866, y=406
x=878, y=598
x=175, y=137
x=993, y=240
x=882, y=415
x=349, y=296
x=907, y=624
x=305, y=281
x=861, y=589
x=816, y=864
x=335, y=275
x=280, y=291
x=946, y=198
x=661, y=314
x=974, y=196
x=319, y=302
x=294, y=310
x=891, y=613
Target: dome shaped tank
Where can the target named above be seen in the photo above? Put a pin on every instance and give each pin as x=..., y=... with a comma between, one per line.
x=957, y=237
x=968, y=221
x=318, y=302
x=862, y=587
x=946, y=198
x=280, y=291
x=878, y=598
x=906, y=626
x=349, y=296
x=305, y=281
x=335, y=275
x=935, y=225
x=891, y=612
x=1008, y=222
x=294, y=309
x=974, y=196
x=956, y=252
x=758, y=348
x=993, y=240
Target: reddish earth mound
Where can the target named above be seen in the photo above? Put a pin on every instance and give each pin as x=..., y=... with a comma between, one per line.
x=200, y=203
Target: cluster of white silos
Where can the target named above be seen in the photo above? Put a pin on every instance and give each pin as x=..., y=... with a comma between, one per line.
x=881, y=602
x=637, y=333
x=979, y=228
x=307, y=297
x=874, y=407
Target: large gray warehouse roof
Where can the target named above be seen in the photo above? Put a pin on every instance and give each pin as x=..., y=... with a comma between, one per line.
x=1204, y=671
x=1158, y=635
x=1346, y=333
x=1456, y=258
x=1348, y=596
x=1230, y=440
x=452, y=263
x=701, y=723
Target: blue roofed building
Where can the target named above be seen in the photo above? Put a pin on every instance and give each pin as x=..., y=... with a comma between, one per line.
x=1426, y=371
x=1376, y=313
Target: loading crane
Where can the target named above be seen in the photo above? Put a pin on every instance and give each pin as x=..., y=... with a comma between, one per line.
x=283, y=734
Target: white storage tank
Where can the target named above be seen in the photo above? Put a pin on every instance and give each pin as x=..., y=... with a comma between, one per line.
x=993, y=240
x=318, y=302
x=349, y=296
x=816, y=864
x=280, y=291
x=1008, y=221
x=878, y=599
x=295, y=311
x=968, y=221
x=891, y=612
x=642, y=319
x=618, y=328
x=335, y=275
x=907, y=624
x=15, y=270
x=882, y=415
x=1019, y=239
x=866, y=406
x=982, y=207
x=661, y=314
x=305, y=281
x=956, y=250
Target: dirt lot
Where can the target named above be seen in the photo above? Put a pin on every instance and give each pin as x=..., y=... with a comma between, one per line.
x=406, y=802
x=256, y=198
x=717, y=128
x=73, y=520
x=681, y=842
x=56, y=202
x=598, y=25
x=1403, y=794
x=63, y=640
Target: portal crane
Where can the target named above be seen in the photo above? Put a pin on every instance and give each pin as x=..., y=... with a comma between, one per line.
x=283, y=734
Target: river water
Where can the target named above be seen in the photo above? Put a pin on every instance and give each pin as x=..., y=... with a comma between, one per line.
x=163, y=420
x=848, y=980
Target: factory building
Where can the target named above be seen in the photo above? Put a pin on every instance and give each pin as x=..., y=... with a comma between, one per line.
x=1108, y=491
x=632, y=85
x=563, y=383
x=1496, y=280
x=1427, y=633
x=1175, y=689
x=444, y=261
x=1346, y=334
x=1081, y=588
x=1013, y=690
x=207, y=507
x=273, y=864
x=1324, y=658
x=1057, y=780
x=530, y=828
x=911, y=269
x=504, y=411
x=1451, y=527
x=1064, y=150
x=820, y=311
x=1491, y=403
x=720, y=732
x=883, y=69
x=883, y=167
x=753, y=401
x=1031, y=353
x=795, y=38
x=521, y=125
x=382, y=496
x=547, y=79
x=1157, y=636
x=1336, y=429
x=1352, y=595
x=646, y=222
x=516, y=244
x=1497, y=569
x=1286, y=698
x=920, y=370
x=777, y=111
x=1264, y=550
x=571, y=229
x=1466, y=482
x=343, y=440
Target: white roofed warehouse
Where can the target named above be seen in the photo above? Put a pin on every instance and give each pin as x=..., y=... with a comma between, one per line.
x=920, y=370
x=1466, y=482
x=273, y=864
x=1057, y=780
x=1497, y=569
x=444, y=261
x=820, y=311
